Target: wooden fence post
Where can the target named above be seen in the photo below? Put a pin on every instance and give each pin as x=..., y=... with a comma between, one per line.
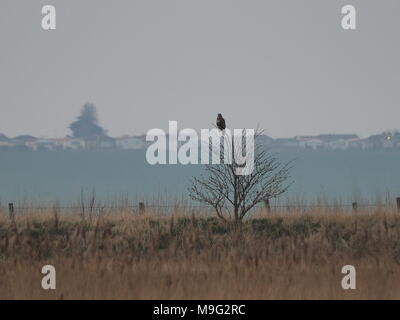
x=11, y=210
x=398, y=203
x=354, y=206
x=141, y=208
x=12, y=216
x=267, y=205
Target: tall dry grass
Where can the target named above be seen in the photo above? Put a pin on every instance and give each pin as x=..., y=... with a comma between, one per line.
x=119, y=255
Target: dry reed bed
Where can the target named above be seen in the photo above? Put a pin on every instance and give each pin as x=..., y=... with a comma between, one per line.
x=125, y=256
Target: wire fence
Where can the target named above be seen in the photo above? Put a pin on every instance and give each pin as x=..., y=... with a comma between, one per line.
x=141, y=207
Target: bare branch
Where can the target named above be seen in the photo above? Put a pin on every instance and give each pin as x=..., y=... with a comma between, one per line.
x=229, y=193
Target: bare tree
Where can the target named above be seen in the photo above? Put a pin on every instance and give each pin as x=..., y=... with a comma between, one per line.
x=233, y=195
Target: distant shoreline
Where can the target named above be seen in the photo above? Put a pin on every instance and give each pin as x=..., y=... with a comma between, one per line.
x=383, y=141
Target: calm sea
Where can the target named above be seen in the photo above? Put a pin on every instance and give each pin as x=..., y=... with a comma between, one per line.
x=61, y=176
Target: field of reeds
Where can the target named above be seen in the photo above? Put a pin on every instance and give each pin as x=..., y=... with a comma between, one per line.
x=122, y=255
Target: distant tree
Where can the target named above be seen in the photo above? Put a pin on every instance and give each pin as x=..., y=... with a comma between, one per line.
x=87, y=124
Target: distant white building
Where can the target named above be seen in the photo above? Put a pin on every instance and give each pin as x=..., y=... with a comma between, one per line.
x=326, y=141
x=43, y=144
x=5, y=141
x=99, y=143
x=130, y=142
x=312, y=144
x=73, y=144
x=340, y=144
x=309, y=142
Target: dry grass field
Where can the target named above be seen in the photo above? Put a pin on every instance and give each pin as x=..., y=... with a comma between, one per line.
x=120, y=255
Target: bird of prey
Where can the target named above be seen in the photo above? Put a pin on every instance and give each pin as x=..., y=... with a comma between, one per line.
x=220, y=122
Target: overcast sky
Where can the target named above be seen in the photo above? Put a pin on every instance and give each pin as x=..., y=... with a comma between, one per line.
x=286, y=66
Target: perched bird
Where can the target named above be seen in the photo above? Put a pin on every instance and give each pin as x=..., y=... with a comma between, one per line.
x=220, y=122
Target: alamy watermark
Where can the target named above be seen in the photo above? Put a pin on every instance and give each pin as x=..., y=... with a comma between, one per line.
x=215, y=147
x=348, y=21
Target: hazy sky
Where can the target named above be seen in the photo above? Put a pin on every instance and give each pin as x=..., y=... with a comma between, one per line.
x=286, y=66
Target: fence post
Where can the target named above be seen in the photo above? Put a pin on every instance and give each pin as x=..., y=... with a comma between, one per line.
x=267, y=205
x=11, y=210
x=12, y=216
x=354, y=206
x=141, y=208
x=398, y=203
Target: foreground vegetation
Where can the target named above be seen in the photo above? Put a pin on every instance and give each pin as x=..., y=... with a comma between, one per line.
x=120, y=255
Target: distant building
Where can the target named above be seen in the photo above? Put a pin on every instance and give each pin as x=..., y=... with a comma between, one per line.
x=5, y=142
x=382, y=141
x=385, y=140
x=24, y=142
x=359, y=144
x=336, y=137
x=131, y=142
x=326, y=141
x=99, y=143
x=73, y=144
x=309, y=142
x=44, y=145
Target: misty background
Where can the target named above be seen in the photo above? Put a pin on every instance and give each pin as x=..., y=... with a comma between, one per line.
x=286, y=66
